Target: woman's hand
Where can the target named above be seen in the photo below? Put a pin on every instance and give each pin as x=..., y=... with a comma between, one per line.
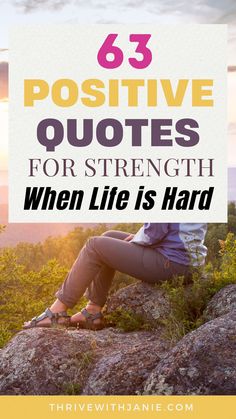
x=129, y=238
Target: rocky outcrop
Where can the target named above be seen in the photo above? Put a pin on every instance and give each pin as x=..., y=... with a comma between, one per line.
x=203, y=362
x=109, y=361
x=222, y=303
x=58, y=361
x=141, y=298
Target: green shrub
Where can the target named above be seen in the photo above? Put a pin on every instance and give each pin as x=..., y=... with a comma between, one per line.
x=188, y=302
x=126, y=320
x=5, y=335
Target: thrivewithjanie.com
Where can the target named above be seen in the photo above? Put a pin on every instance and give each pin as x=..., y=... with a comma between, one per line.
x=120, y=407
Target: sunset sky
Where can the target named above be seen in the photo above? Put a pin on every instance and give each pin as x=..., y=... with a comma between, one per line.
x=111, y=11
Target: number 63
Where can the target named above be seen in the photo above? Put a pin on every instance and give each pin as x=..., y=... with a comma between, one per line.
x=108, y=47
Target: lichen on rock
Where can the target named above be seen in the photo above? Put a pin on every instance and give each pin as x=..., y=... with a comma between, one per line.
x=203, y=362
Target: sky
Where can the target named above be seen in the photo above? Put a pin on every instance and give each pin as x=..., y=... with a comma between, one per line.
x=15, y=12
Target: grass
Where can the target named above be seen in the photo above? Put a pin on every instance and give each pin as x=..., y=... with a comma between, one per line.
x=126, y=320
x=72, y=389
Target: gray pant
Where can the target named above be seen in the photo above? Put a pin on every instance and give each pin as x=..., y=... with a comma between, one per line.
x=101, y=256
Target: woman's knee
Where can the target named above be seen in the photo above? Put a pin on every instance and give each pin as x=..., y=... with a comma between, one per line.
x=90, y=241
x=109, y=233
x=89, y=244
x=96, y=243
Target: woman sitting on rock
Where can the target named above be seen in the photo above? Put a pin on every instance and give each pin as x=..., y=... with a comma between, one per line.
x=156, y=253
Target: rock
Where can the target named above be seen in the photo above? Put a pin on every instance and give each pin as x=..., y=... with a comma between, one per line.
x=141, y=298
x=126, y=368
x=57, y=361
x=222, y=303
x=41, y=361
x=203, y=362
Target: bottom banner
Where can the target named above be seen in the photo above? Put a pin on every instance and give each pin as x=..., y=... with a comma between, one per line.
x=70, y=407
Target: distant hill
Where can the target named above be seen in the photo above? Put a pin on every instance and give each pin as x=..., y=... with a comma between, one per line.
x=3, y=177
x=31, y=233
x=3, y=195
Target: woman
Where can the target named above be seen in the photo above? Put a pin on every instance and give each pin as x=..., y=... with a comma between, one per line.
x=156, y=253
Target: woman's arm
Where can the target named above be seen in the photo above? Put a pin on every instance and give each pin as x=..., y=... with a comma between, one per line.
x=151, y=233
x=129, y=238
